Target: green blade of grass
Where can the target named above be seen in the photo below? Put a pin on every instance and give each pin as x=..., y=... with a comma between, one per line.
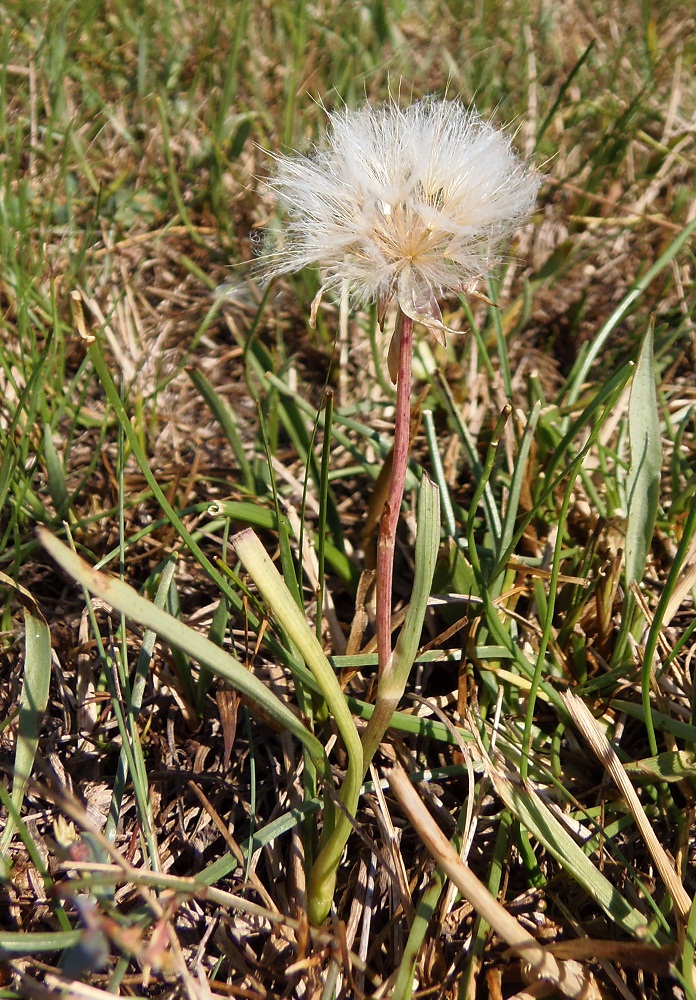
x=439, y=475
x=517, y=481
x=134, y=706
x=227, y=420
x=536, y=817
x=292, y=619
x=56, y=474
x=643, y=483
x=33, y=698
x=427, y=545
x=34, y=943
x=582, y=366
x=403, y=987
x=323, y=506
x=561, y=94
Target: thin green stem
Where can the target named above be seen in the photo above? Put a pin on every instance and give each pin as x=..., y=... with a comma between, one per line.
x=688, y=532
x=546, y=637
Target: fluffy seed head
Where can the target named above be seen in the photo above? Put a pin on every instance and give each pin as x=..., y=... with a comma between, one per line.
x=409, y=201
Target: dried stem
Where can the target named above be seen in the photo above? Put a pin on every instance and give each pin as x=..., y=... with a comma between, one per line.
x=568, y=977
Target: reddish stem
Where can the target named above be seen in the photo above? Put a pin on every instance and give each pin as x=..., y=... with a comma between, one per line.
x=392, y=507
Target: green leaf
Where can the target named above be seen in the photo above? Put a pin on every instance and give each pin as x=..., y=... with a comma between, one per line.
x=427, y=544
x=227, y=420
x=56, y=474
x=22, y=943
x=517, y=481
x=33, y=698
x=672, y=765
x=278, y=598
x=240, y=137
x=643, y=483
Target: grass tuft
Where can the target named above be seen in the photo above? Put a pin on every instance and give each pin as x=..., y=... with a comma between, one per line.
x=172, y=768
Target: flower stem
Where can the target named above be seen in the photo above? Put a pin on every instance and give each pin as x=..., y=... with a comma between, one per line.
x=392, y=508
x=389, y=521
x=392, y=683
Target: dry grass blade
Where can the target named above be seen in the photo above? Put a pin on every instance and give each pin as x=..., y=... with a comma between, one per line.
x=569, y=978
x=600, y=745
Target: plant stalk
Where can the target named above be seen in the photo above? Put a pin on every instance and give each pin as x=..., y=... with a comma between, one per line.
x=392, y=508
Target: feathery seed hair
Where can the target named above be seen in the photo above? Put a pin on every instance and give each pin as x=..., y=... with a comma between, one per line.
x=409, y=201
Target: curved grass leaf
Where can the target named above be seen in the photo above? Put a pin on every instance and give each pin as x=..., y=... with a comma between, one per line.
x=56, y=474
x=23, y=943
x=582, y=366
x=536, y=817
x=227, y=420
x=291, y=617
x=33, y=698
x=643, y=483
x=427, y=545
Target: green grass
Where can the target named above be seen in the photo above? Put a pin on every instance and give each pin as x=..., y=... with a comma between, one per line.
x=154, y=401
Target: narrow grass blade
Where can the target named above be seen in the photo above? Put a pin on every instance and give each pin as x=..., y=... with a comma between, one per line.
x=439, y=474
x=226, y=418
x=33, y=698
x=137, y=692
x=643, y=483
x=561, y=94
x=427, y=545
x=403, y=987
x=174, y=182
x=536, y=817
x=55, y=473
x=323, y=506
x=23, y=943
x=583, y=365
x=517, y=481
x=688, y=971
x=216, y=634
x=501, y=342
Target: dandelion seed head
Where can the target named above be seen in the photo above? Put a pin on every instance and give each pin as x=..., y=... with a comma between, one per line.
x=413, y=202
